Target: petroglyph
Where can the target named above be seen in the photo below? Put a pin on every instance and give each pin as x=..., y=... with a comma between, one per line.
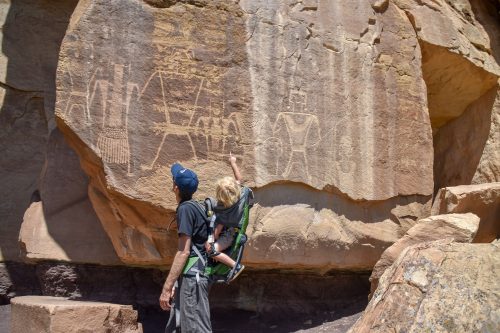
x=218, y=131
x=299, y=131
x=112, y=142
x=183, y=87
x=178, y=88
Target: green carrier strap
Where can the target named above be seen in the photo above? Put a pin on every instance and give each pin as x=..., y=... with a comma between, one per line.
x=192, y=261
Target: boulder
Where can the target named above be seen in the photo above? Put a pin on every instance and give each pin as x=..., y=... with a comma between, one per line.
x=460, y=227
x=480, y=199
x=34, y=314
x=31, y=36
x=63, y=224
x=437, y=286
x=459, y=52
x=467, y=149
x=75, y=240
x=324, y=99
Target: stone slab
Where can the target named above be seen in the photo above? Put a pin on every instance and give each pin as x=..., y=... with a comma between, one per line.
x=37, y=314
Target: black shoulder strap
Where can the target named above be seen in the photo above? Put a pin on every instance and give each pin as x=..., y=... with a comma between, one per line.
x=198, y=206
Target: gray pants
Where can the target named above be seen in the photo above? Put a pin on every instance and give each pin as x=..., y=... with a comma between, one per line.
x=190, y=307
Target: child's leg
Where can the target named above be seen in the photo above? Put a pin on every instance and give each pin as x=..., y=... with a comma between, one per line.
x=225, y=259
x=223, y=243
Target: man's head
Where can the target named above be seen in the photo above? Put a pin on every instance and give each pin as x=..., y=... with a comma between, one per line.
x=185, y=181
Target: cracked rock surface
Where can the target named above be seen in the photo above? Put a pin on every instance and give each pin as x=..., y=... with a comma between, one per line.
x=429, y=285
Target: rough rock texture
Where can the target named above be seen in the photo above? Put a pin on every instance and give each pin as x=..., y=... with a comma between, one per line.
x=300, y=92
x=299, y=227
x=437, y=287
x=323, y=102
x=31, y=35
x=460, y=227
x=17, y=279
x=461, y=57
x=276, y=294
x=23, y=135
x=332, y=68
x=34, y=314
x=482, y=200
x=63, y=225
x=460, y=51
x=467, y=149
x=43, y=239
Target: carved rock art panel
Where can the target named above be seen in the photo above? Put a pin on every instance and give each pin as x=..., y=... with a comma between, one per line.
x=335, y=104
x=171, y=87
x=139, y=88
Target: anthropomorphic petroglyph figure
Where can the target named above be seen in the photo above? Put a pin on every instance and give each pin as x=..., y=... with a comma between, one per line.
x=168, y=126
x=300, y=130
x=112, y=142
x=218, y=131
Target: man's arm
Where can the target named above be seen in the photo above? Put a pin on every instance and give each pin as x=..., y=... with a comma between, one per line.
x=182, y=255
x=234, y=166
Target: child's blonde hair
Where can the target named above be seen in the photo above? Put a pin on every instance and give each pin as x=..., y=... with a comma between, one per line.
x=227, y=191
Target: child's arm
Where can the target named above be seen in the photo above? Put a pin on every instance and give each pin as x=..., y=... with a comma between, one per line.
x=234, y=166
x=217, y=231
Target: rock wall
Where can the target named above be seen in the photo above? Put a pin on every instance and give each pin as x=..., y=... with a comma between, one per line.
x=276, y=294
x=31, y=34
x=463, y=92
x=460, y=52
x=309, y=100
x=467, y=148
x=37, y=167
x=329, y=107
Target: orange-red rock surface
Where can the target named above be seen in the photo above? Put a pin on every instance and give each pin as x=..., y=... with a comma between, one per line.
x=329, y=108
x=346, y=118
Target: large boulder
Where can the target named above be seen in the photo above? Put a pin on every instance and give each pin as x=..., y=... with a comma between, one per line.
x=31, y=35
x=61, y=224
x=303, y=94
x=460, y=227
x=481, y=199
x=437, y=286
x=325, y=105
x=467, y=149
x=460, y=51
x=34, y=314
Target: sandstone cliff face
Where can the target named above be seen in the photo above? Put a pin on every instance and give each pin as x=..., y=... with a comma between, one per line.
x=30, y=37
x=328, y=106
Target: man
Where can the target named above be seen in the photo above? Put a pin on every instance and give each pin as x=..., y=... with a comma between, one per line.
x=190, y=310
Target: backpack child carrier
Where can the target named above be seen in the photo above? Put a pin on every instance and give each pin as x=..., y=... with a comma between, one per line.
x=236, y=217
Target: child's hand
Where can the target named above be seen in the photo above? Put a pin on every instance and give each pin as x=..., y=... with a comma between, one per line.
x=232, y=159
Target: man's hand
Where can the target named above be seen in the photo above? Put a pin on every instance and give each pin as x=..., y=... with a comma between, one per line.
x=166, y=299
x=180, y=259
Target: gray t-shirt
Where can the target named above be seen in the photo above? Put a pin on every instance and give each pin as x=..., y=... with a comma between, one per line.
x=192, y=223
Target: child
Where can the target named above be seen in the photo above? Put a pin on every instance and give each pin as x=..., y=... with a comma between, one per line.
x=228, y=192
